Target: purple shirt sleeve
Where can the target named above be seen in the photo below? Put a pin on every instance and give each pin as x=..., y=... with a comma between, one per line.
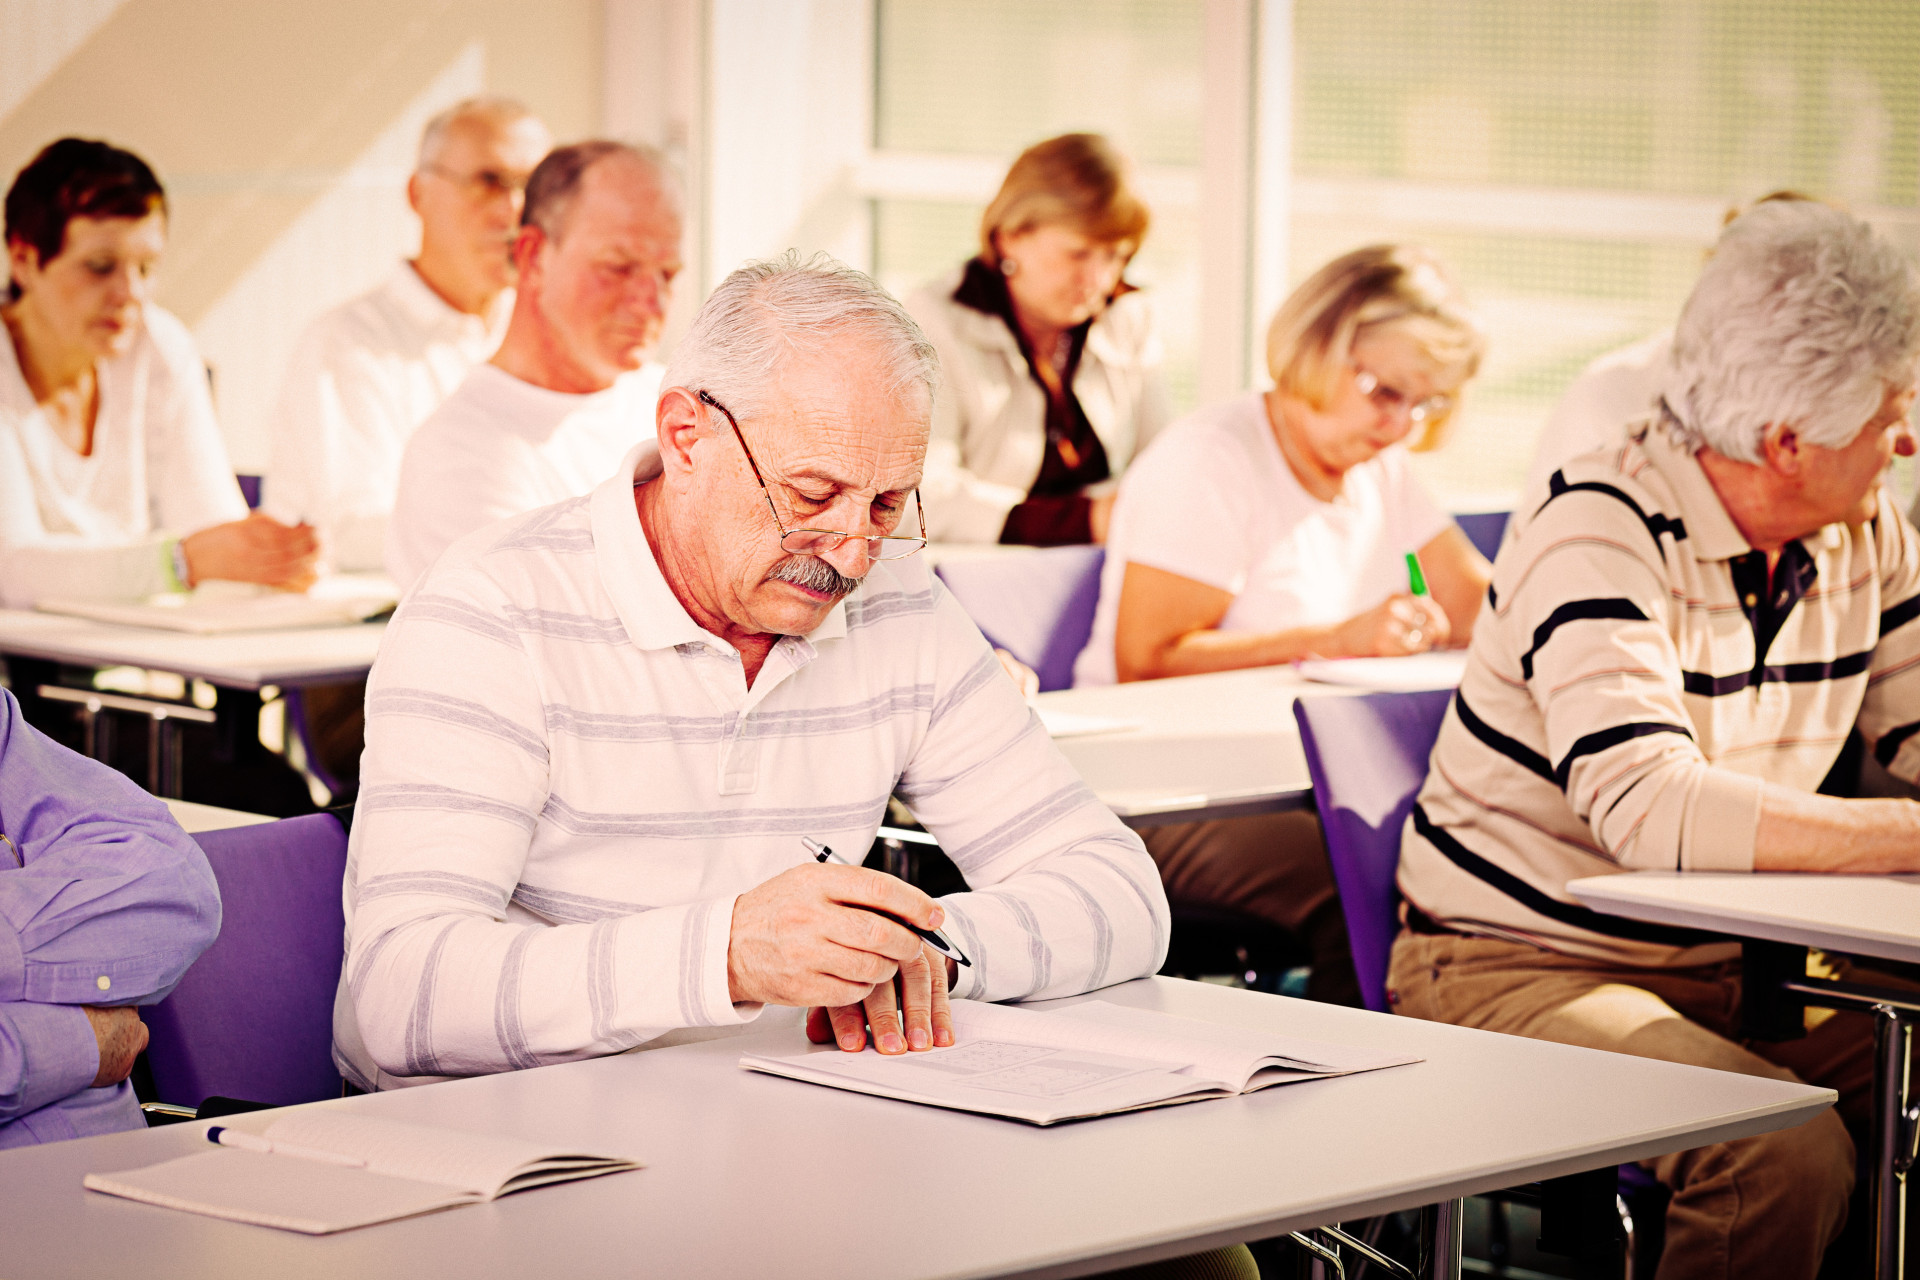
x=103, y=900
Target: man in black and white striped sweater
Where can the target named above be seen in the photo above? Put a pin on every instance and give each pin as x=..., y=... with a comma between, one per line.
x=1682, y=633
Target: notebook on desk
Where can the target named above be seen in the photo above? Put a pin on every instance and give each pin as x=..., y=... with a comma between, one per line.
x=1092, y=1059
x=332, y=1170
x=218, y=608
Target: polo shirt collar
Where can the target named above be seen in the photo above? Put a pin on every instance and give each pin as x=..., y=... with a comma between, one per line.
x=427, y=309
x=1710, y=530
x=648, y=609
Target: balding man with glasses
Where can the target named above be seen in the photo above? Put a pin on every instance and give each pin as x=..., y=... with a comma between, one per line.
x=600, y=734
x=369, y=371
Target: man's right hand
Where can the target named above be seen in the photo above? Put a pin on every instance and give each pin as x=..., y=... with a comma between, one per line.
x=798, y=941
x=258, y=549
x=121, y=1035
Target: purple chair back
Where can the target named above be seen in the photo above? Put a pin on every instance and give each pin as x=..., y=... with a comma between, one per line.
x=253, y=1018
x=1484, y=529
x=1037, y=605
x=1367, y=757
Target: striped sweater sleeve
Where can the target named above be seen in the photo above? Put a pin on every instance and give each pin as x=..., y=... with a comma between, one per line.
x=1063, y=897
x=1890, y=714
x=457, y=770
x=1591, y=612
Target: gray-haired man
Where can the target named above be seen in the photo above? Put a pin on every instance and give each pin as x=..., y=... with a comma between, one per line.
x=570, y=390
x=599, y=734
x=1682, y=631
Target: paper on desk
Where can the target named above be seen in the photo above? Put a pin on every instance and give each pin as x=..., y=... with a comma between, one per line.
x=1073, y=724
x=1440, y=670
x=218, y=607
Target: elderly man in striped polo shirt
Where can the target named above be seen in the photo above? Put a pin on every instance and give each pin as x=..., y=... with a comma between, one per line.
x=597, y=735
x=1684, y=631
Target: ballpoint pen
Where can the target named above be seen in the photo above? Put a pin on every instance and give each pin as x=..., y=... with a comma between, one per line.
x=222, y=1136
x=933, y=937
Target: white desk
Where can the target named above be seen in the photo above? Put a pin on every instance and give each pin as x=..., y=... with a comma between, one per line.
x=754, y=1175
x=1859, y=915
x=206, y=817
x=241, y=660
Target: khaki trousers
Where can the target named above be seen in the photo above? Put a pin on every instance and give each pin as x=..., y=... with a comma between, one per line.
x=1270, y=865
x=1761, y=1206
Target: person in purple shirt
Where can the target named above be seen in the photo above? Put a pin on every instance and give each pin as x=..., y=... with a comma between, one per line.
x=104, y=902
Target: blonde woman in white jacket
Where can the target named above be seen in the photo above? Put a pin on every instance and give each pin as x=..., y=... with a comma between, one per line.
x=1050, y=369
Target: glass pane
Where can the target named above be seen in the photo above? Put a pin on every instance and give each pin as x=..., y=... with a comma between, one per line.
x=1596, y=141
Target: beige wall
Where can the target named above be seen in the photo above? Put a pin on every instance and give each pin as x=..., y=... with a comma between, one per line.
x=283, y=130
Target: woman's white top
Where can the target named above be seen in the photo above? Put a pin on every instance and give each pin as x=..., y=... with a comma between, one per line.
x=1609, y=393
x=97, y=526
x=989, y=417
x=1215, y=501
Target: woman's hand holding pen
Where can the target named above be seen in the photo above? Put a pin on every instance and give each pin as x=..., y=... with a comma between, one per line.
x=810, y=936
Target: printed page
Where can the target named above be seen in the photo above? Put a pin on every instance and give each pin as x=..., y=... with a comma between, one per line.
x=1233, y=1054
x=1041, y=1084
x=477, y=1163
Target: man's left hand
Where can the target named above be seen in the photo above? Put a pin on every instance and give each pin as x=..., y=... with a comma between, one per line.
x=919, y=992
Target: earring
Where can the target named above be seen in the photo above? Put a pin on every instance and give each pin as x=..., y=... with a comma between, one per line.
x=1008, y=266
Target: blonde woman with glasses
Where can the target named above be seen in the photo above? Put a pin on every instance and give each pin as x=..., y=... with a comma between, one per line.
x=1275, y=526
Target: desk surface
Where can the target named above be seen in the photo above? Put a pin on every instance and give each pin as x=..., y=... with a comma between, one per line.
x=1205, y=746
x=1859, y=915
x=754, y=1175
x=240, y=660
x=206, y=817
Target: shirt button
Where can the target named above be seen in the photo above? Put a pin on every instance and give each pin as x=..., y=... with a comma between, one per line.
x=103, y=982
x=1752, y=600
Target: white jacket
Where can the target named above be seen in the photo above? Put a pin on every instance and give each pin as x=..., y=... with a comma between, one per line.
x=989, y=419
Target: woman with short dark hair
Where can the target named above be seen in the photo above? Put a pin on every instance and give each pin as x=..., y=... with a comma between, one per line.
x=114, y=481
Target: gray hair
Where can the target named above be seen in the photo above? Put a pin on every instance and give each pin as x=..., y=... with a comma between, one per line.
x=1801, y=317
x=556, y=180
x=492, y=107
x=766, y=312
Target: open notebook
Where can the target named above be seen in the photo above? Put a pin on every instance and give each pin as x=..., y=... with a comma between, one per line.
x=408, y=1169
x=1442, y=669
x=1092, y=1059
x=215, y=608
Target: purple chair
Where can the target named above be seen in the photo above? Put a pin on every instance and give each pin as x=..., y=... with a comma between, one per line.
x=253, y=1018
x=1367, y=757
x=1037, y=605
x=1484, y=529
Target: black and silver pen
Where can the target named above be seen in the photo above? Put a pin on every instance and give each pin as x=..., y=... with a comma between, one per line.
x=933, y=937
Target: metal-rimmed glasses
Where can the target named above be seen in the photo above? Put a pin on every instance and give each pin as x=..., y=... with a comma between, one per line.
x=1390, y=399
x=818, y=542
x=482, y=184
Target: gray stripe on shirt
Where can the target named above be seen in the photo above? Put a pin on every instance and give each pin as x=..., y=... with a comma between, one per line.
x=1039, y=954
x=972, y=682
x=697, y=824
x=467, y=714
x=1022, y=826
x=864, y=609
x=426, y=795
x=421, y=1059
x=572, y=908
x=436, y=884
x=456, y=613
x=1102, y=927
x=506, y=1004
x=557, y=625
x=693, y=934
x=600, y=981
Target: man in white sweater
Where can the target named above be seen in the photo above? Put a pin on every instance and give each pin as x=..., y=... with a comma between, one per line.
x=369, y=371
x=570, y=390
x=599, y=733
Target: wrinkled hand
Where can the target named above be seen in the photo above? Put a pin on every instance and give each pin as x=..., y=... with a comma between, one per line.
x=258, y=549
x=121, y=1036
x=1397, y=626
x=1100, y=516
x=799, y=939
x=1025, y=678
x=918, y=991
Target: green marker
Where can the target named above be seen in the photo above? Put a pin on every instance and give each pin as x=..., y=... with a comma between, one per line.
x=1416, y=580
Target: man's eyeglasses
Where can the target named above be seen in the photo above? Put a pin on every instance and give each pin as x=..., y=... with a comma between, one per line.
x=1392, y=400
x=818, y=542
x=482, y=184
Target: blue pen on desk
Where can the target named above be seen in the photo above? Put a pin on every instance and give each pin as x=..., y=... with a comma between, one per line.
x=933, y=937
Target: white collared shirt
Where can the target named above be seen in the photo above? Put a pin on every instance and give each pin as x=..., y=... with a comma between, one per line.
x=500, y=446
x=97, y=526
x=568, y=782
x=364, y=376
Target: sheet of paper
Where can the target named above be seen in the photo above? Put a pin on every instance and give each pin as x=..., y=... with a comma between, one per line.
x=223, y=607
x=1072, y=724
x=276, y=1191
x=1441, y=670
